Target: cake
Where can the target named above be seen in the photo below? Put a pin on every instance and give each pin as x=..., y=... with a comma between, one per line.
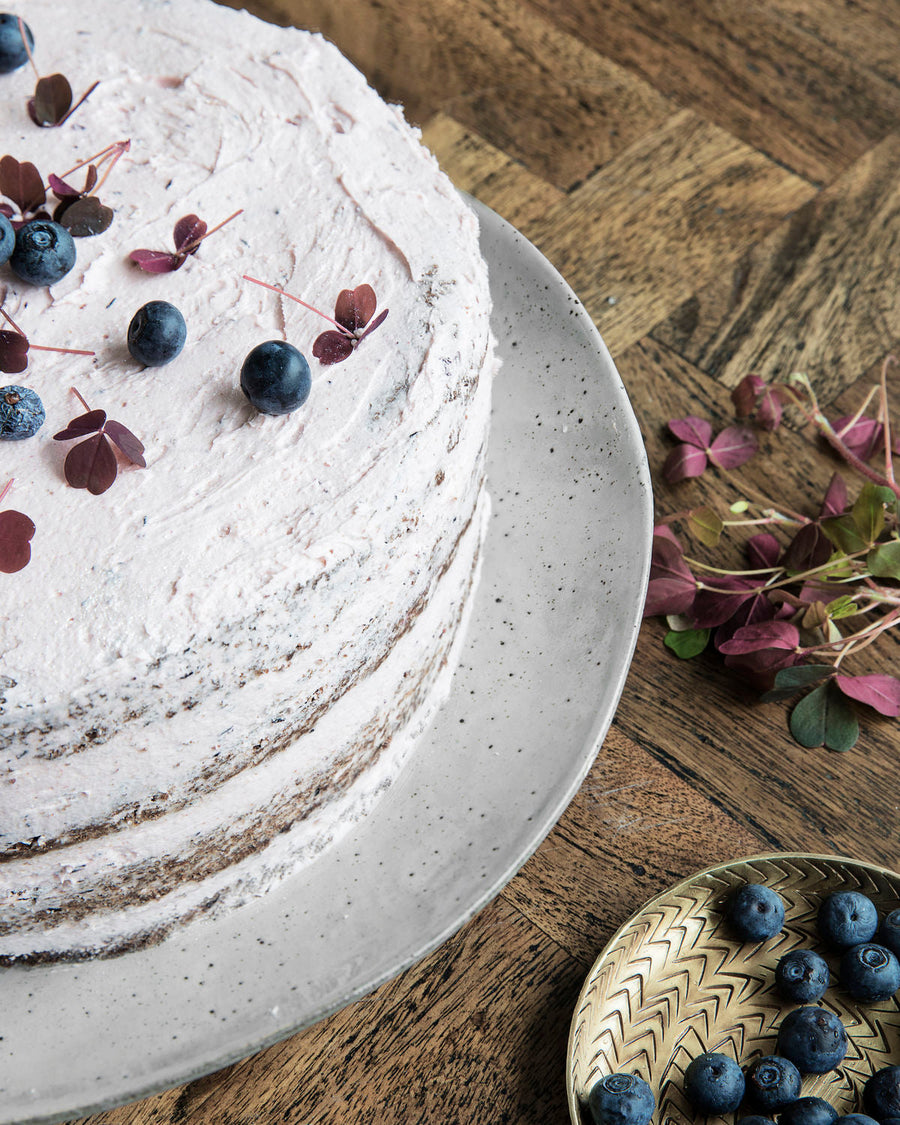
x=212, y=669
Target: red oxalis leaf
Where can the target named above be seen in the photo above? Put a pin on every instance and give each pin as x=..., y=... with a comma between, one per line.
x=86, y=216
x=16, y=531
x=92, y=465
x=763, y=550
x=694, y=431
x=130, y=446
x=880, y=692
x=761, y=635
x=187, y=230
x=835, y=502
x=376, y=323
x=720, y=599
x=52, y=100
x=82, y=425
x=745, y=394
x=733, y=446
x=354, y=307
x=683, y=462
x=61, y=189
x=155, y=261
x=21, y=183
x=332, y=347
x=861, y=437
x=809, y=548
x=13, y=352
x=672, y=587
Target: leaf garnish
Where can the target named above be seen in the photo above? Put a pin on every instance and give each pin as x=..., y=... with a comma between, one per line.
x=92, y=464
x=189, y=232
x=22, y=184
x=352, y=320
x=52, y=100
x=16, y=533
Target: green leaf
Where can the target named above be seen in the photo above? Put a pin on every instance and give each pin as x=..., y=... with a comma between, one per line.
x=706, y=526
x=825, y=717
x=788, y=681
x=883, y=560
x=687, y=642
x=844, y=606
x=739, y=507
x=868, y=511
x=844, y=534
x=839, y=566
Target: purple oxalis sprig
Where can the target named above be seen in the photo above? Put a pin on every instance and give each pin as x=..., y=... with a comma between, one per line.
x=816, y=589
x=92, y=463
x=189, y=232
x=52, y=101
x=16, y=533
x=352, y=320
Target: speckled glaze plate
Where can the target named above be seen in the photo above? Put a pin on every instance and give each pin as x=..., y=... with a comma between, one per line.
x=555, y=623
x=673, y=982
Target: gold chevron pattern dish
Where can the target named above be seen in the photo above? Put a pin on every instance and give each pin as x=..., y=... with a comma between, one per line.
x=673, y=983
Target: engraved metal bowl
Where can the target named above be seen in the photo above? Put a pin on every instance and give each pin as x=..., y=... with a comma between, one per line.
x=674, y=982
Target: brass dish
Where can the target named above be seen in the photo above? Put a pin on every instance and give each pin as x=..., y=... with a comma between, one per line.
x=673, y=983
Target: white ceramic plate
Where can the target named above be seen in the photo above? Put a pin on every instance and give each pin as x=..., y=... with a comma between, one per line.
x=558, y=611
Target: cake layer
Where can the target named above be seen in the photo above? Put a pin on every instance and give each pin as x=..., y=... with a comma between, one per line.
x=236, y=643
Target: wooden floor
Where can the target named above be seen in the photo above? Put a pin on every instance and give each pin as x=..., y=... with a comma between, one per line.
x=718, y=181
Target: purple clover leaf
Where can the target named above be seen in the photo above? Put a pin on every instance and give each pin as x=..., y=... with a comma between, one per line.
x=880, y=692
x=672, y=586
x=731, y=448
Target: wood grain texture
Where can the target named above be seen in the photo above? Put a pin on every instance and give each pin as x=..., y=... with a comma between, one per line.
x=717, y=181
x=670, y=213
x=812, y=295
x=781, y=88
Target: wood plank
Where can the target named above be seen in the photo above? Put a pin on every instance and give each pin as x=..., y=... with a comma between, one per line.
x=817, y=295
x=496, y=66
x=475, y=1032
x=778, y=87
x=634, y=829
x=487, y=173
x=867, y=31
x=705, y=722
x=666, y=216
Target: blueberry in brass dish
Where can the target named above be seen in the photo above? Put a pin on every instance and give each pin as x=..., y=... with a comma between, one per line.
x=881, y=1094
x=813, y=1039
x=621, y=1099
x=275, y=377
x=7, y=238
x=808, y=1111
x=888, y=933
x=802, y=976
x=772, y=1083
x=13, y=52
x=847, y=918
x=156, y=333
x=755, y=912
x=870, y=972
x=44, y=252
x=714, y=1083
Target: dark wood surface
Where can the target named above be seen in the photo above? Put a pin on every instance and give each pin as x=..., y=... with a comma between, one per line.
x=718, y=181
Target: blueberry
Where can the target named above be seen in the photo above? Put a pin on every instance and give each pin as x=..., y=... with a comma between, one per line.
x=44, y=252
x=802, y=976
x=772, y=1083
x=12, y=45
x=813, y=1039
x=855, y=1119
x=714, y=1083
x=870, y=972
x=808, y=1111
x=21, y=413
x=621, y=1099
x=755, y=1119
x=888, y=933
x=881, y=1093
x=755, y=912
x=847, y=918
x=7, y=238
x=156, y=333
x=275, y=377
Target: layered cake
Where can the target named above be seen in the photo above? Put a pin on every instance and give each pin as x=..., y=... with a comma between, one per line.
x=213, y=667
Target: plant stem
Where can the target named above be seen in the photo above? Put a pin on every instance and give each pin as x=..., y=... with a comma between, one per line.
x=291, y=297
x=6, y=489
